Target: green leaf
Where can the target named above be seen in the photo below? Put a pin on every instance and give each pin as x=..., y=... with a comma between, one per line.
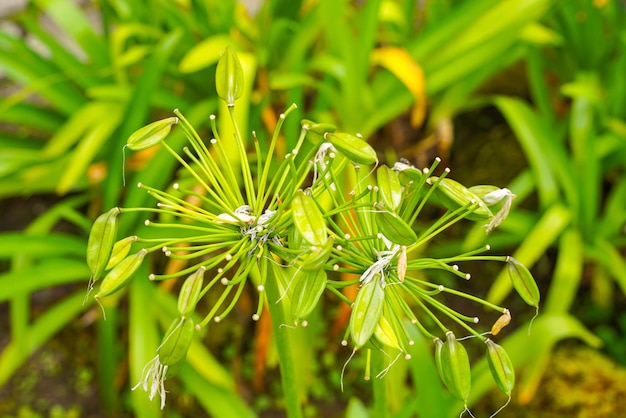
x=356, y=409
x=47, y=273
x=546, y=157
x=204, y=54
x=216, y=400
x=45, y=326
x=568, y=272
x=49, y=245
x=95, y=137
x=37, y=75
x=71, y=19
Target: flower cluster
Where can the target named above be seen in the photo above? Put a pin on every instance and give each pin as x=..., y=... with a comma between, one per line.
x=325, y=208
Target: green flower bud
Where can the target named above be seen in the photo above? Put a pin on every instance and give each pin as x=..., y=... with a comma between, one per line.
x=101, y=242
x=367, y=310
x=352, y=147
x=121, y=274
x=190, y=292
x=309, y=220
x=229, y=77
x=150, y=134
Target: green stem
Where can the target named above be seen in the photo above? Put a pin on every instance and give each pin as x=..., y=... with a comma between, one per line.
x=283, y=345
x=245, y=168
x=379, y=386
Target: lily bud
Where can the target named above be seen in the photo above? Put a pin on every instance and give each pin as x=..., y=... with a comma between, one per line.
x=229, y=77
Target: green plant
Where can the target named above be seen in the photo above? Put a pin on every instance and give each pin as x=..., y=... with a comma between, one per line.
x=60, y=134
x=73, y=110
x=251, y=221
x=573, y=138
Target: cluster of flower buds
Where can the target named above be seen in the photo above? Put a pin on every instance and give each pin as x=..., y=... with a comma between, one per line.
x=356, y=223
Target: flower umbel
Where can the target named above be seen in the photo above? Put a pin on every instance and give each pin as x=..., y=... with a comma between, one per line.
x=317, y=221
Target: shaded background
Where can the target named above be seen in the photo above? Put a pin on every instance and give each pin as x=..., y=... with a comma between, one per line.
x=529, y=95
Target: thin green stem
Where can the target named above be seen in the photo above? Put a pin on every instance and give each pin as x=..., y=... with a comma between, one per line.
x=245, y=167
x=270, y=155
x=287, y=362
x=379, y=386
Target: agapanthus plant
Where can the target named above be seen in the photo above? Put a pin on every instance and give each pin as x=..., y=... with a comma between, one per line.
x=295, y=223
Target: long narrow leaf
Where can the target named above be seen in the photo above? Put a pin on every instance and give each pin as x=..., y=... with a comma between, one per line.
x=567, y=273
x=612, y=260
x=48, y=324
x=73, y=21
x=217, y=401
x=89, y=146
x=41, y=245
x=37, y=75
x=52, y=272
x=137, y=109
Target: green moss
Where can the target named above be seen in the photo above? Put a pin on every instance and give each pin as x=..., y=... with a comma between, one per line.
x=579, y=383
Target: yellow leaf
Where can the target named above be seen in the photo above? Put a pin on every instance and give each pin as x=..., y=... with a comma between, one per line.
x=204, y=54
x=401, y=64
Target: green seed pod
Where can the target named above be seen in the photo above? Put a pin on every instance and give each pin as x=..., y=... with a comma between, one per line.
x=385, y=334
x=317, y=257
x=190, y=292
x=101, y=241
x=366, y=311
x=229, y=77
x=523, y=282
x=454, y=195
x=407, y=173
x=394, y=228
x=316, y=130
x=438, y=351
x=294, y=239
x=309, y=220
x=121, y=274
x=307, y=292
x=501, y=367
x=176, y=341
x=482, y=190
x=491, y=196
x=352, y=147
x=456, y=367
x=402, y=264
x=389, y=187
x=150, y=134
x=120, y=250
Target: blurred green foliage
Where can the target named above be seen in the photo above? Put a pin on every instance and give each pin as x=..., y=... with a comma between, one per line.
x=80, y=79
